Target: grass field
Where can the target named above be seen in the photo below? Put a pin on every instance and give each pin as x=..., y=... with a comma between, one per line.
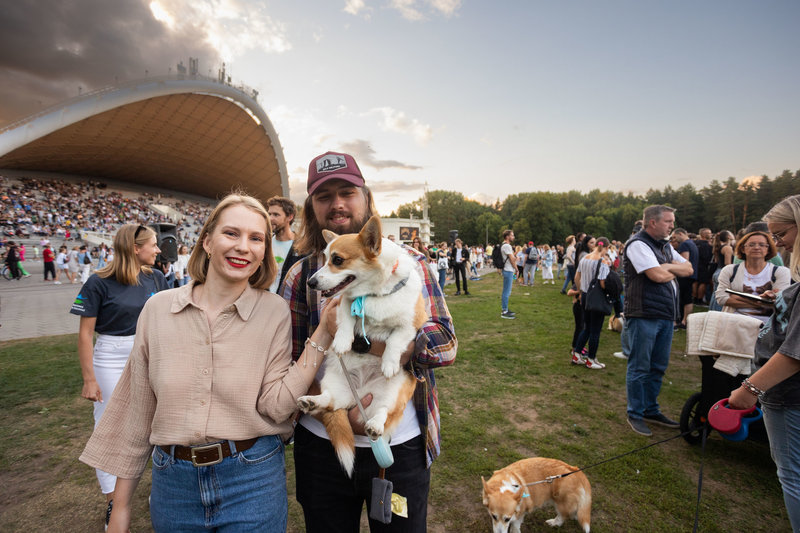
x=510, y=394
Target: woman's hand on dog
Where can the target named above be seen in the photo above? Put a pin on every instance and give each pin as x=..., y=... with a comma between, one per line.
x=327, y=320
x=355, y=416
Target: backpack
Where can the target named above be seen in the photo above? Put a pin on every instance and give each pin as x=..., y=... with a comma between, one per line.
x=87, y=260
x=533, y=254
x=497, y=257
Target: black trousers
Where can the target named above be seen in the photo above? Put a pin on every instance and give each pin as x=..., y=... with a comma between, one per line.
x=50, y=268
x=460, y=270
x=332, y=502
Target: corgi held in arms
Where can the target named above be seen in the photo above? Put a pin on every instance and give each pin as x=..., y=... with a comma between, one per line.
x=513, y=491
x=381, y=300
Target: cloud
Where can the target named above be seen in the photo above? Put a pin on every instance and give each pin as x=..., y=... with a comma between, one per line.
x=354, y=7
x=394, y=187
x=483, y=198
x=365, y=155
x=394, y=120
x=408, y=8
x=49, y=49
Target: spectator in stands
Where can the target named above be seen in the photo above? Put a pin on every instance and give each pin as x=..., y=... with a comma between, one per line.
x=109, y=304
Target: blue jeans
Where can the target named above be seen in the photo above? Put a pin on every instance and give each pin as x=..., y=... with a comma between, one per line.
x=783, y=428
x=650, y=341
x=569, y=276
x=442, y=278
x=624, y=340
x=245, y=492
x=508, y=281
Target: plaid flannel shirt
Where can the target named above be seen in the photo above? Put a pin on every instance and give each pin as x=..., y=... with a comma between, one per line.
x=436, y=342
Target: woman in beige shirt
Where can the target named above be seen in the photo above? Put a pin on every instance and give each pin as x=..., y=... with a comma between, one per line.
x=210, y=388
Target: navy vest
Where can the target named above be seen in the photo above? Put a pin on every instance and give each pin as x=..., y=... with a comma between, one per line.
x=645, y=298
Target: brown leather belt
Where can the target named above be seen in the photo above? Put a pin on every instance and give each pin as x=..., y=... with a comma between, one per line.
x=209, y=454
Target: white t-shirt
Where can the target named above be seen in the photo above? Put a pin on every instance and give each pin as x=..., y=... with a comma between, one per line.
x=507, y=251
x=754, y=284
x=280, y=250
x=642, y=258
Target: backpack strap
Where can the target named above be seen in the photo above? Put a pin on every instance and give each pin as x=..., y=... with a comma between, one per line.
x=735, y=269
x=774, y=269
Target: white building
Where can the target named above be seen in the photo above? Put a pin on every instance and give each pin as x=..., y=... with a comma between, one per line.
x=405, y=229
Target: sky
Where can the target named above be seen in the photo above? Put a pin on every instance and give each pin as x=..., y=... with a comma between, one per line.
x=487, y=98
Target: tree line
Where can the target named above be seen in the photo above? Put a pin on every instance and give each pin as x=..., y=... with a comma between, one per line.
x=548, y=217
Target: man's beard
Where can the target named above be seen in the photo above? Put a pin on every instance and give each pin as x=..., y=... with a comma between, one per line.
x=354, y=226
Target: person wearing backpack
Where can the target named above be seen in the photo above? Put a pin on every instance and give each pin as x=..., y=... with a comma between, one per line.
x=531, y=262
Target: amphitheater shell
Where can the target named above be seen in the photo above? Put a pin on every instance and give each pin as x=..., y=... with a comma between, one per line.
x=193, y=135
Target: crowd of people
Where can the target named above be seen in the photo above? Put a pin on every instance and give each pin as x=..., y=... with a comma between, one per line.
x=244, y=251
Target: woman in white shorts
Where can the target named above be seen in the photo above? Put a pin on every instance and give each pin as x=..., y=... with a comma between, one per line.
x=109, y=303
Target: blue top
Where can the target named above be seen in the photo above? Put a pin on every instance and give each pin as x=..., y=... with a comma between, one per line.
x=115, y=305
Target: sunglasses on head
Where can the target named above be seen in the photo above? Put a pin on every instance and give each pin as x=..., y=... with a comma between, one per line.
x=138, y=231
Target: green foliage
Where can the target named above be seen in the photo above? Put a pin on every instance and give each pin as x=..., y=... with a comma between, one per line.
x=547, y=217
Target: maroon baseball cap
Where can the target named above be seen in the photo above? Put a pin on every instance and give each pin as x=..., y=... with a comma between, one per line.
x=333, y=165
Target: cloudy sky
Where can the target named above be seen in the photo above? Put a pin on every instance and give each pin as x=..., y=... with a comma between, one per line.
x=488, y=98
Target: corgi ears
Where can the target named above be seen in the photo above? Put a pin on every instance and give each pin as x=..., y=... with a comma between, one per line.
x=328, y=235
x=370, y=236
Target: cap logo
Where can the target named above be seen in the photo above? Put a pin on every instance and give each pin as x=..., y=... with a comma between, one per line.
x=331, y=162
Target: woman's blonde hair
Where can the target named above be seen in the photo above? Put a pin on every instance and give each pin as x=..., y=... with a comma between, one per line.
x=787, y=211
x=198, y=261
x=125, y=267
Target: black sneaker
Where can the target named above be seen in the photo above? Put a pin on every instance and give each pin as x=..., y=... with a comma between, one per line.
x=458, y=293
x=662, y=420
x=466, y=293
x=508, y=314
x=638, y=425
x=108, y=513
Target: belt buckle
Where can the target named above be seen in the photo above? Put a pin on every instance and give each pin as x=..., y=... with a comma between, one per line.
x=217, y=446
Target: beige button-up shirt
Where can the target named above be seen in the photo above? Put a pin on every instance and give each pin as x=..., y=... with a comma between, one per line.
x=187, y=383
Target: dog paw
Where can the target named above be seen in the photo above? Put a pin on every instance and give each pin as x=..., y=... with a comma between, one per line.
x=373, y=431
x=389, y=368
x=340, y=345
x=306, y=404
x=555, y=522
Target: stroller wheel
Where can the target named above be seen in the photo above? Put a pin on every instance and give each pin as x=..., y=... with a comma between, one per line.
x=692, y=420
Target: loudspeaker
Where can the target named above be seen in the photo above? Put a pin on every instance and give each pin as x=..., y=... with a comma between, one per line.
x=167, y=239
x=453, y=235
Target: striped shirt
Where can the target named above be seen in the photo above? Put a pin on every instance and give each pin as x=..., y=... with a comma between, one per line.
x=436, y=342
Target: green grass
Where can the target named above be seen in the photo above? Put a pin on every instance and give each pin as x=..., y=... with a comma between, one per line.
x=510, y=394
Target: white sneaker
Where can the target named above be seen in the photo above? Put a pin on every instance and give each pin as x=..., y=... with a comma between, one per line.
x=594, y=364
x=57, y=282
x=620, y=355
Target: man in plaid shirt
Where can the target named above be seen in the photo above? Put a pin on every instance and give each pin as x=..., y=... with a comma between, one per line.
x=338, y=200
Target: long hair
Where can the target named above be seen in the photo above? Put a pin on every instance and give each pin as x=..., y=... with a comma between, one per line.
x=309, y=239
x=787, y=211
x=126, y=267
x=720, y=239
x=198, y=261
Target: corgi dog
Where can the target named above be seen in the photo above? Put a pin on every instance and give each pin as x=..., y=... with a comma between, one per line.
x=380, y=278
x=616, y=323
x=512, y=491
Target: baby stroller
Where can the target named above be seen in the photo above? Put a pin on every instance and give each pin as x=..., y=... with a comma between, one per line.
x=715, y=385
x=707, y=335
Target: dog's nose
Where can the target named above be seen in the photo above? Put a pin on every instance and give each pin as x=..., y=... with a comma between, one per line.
x=312, y=282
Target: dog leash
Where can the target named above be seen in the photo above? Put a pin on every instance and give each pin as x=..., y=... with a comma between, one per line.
x=550, y=479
